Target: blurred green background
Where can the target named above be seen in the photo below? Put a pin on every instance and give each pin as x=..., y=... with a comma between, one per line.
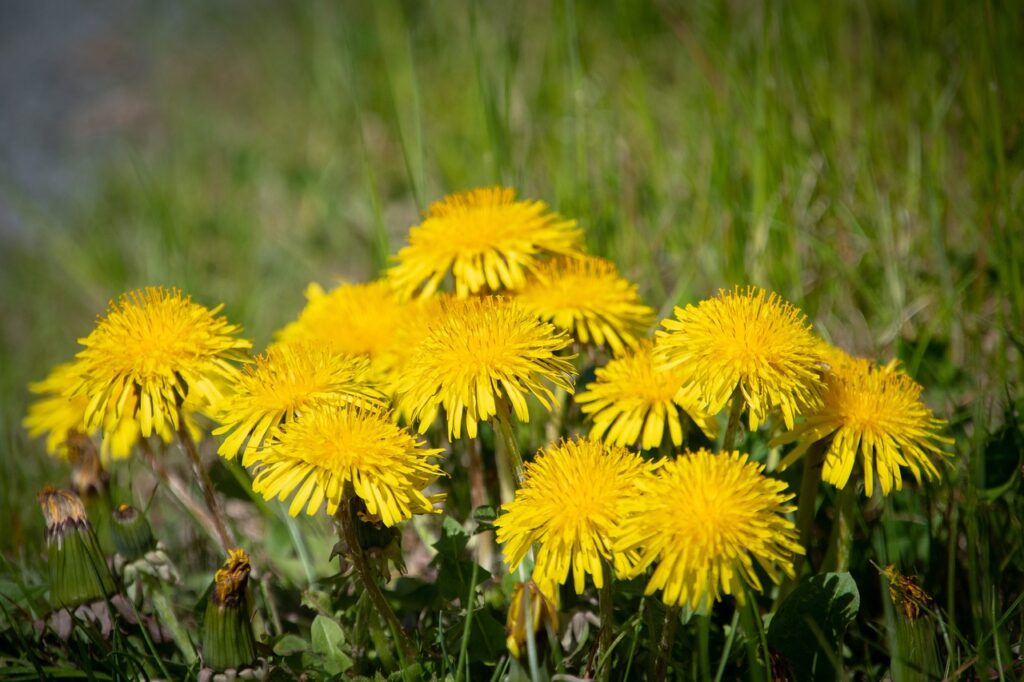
x=862, y=159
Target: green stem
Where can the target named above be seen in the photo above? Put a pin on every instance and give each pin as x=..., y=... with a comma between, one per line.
x=164, y=610
x=704, y=645
x=668, y=634
x=478, y=498
x=509, y=459
x=466, y=628
x=841, y=540
x=179, y=491
x=406, y=652
x=606, y=602
x=810, y=481
x=757, y=645
x=531, y=640
x=733, y=425
x=728, y=645
x=206, y=485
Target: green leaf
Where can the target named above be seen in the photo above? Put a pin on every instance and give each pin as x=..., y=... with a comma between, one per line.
x=328, y=640
x=290, y=644
x=814, y=616
x=455, y=568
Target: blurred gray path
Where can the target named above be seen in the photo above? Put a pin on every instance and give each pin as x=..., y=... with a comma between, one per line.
x=72, y=77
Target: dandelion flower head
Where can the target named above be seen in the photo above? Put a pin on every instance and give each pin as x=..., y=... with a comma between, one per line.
x=708, y=520
x=570, y=503
x=749, y=340
x=479, y=352
x=633, y=398
x=588, y=298
x=486, y=238
x=154, y=352
x=875, y=415
x=353, y=319
x=281, y=384
x=316, y=457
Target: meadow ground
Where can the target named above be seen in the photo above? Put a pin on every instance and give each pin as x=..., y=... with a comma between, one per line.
x=865, y=161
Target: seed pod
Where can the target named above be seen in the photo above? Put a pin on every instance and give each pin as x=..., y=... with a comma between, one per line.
x=78, y=571
x=228, y=641
x=132, y=534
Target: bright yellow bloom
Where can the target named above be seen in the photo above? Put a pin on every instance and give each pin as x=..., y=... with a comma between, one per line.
x=58, y=416
x=750, y=340
x=153, y=352
x=588, y=298
x=281, y=384
x=355, y=319
x=706, y=519
x=633, y=398
x=874, y=414
x=571, y=503
x=334, y=447
x=481, y=351
x=487, y=239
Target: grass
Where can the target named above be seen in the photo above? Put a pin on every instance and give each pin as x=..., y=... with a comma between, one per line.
x=863, y=160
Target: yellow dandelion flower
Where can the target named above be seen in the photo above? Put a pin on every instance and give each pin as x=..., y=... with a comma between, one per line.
x=752, y=341
x=480, y=351
x=633, y=398
x=58, y=416
x=285, y=381
x=354, y=319
x=706, y=519
x=486, y=238
x=570, y=503
x=874, y=414
x=153, y=352
x=588, y=298
x=318, y=456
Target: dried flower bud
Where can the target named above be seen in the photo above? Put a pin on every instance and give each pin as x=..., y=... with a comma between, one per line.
x=228, y=641
x=78, y=571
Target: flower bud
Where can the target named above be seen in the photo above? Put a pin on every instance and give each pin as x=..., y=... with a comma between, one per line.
x=131, y=532
x=78, y=571
x=543, y=614
x=228, y=641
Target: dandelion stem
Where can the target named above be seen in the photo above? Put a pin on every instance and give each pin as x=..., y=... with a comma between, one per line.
x=704, y=645
x=841, y=541
x=503, y=425
x=478, y=498
x=757, y=647
x=179, y=491
x=668, y=635
x=606, y=602
x=733, y=426
x=810, y=480
x=406, y=653
x=203, y=478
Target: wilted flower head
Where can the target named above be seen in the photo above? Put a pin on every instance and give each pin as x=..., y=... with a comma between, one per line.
x=228, y=641
x=542, y=602
x=78, y=571
x=875, y=415
x=487, y=240
x=633, y=399
x=283, y=383
x=154, y=351
x=706, y=519
x=570, y=503
x=480, y=351
x=750, y=341
x=316, y=457
x=588, y=298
